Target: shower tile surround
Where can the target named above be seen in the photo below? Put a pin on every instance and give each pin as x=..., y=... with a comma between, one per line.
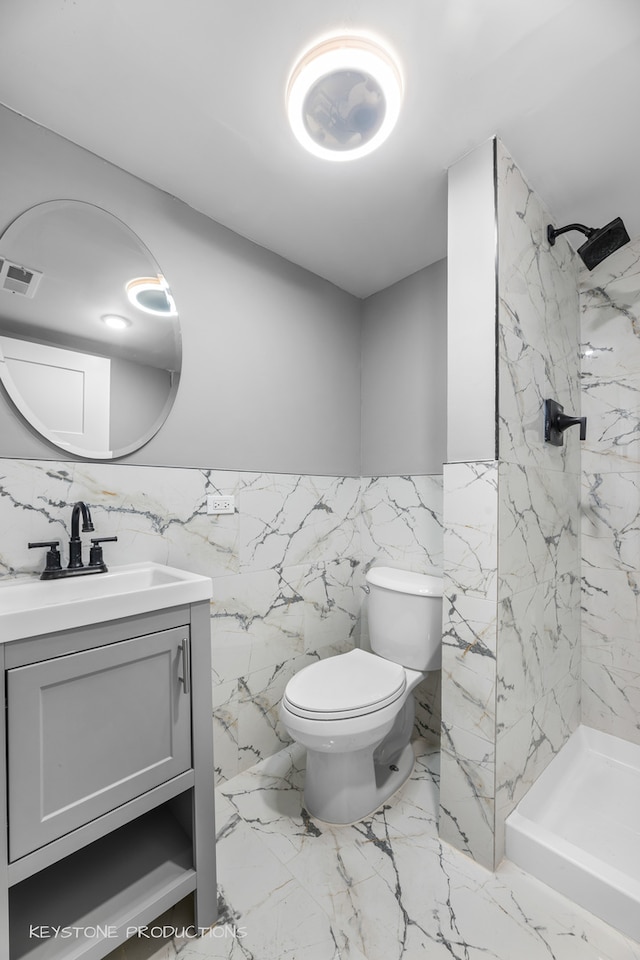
x=288, y=567
x=610, y=334
x=511, y=653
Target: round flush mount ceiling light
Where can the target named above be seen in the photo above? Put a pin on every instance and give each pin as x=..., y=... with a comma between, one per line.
x=343, y=97
x=152, y=295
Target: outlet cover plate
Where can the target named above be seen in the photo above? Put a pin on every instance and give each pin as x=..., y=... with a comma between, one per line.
x=217, y=503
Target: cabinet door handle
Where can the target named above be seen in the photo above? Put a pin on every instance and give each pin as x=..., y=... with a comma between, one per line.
x=185, y=679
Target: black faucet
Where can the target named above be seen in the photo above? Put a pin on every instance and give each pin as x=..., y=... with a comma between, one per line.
x=75, y=544
x=54, y=570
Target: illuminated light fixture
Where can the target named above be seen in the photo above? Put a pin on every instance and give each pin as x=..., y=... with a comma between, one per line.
x=115, y=322
x=343, y=97
x=152, y=295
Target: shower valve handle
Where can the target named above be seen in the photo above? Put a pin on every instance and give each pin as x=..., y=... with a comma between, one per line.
x=563, y=421
x=556, y=422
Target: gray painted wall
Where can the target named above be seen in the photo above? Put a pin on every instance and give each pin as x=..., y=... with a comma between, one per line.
x=137, y=392
x=271, y=352
x=273, y=356
x=404, y=360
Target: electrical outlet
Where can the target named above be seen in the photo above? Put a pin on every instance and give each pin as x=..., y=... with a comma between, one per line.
x=218, y=504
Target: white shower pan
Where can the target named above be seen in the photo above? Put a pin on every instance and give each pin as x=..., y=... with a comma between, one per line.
x=578, y=827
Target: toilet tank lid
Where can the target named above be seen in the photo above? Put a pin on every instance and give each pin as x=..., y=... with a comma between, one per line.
x=405, y=581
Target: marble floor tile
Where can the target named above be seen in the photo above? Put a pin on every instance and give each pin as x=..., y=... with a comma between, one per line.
x=294, y=888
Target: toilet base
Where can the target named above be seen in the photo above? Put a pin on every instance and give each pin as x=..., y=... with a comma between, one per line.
x=343, y=789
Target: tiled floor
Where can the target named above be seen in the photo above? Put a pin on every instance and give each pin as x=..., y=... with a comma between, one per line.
x=384, y=889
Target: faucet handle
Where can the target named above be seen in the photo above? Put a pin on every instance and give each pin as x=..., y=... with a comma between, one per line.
x=53, y=563
x=95, y=554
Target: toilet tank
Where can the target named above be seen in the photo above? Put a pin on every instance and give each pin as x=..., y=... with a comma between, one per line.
x=405, y=617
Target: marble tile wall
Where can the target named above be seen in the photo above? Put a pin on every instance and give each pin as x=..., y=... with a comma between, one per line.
x=610, y=328
x=538, y=666
x=511, y=655
x=287, y=567
x=467, y=784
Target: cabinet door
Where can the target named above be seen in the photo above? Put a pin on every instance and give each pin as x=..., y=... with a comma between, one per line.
x=92, y=730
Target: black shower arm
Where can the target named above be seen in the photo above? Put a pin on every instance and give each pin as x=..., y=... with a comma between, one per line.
x=552, y=233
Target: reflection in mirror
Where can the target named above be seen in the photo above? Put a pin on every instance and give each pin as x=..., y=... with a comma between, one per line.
x=90, y=349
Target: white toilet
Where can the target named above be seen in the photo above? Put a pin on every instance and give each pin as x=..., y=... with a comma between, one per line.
x=354, y=713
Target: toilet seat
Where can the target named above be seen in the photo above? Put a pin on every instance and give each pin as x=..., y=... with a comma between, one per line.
x=350, y=685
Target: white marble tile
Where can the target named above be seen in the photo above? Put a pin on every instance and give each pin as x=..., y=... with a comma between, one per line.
x=260, y=732
x=225, y=729
x=610, y=297
x=611, y=699
x=261, y=618
x=567, y=932
x=467, y=792
x=416, y=896
x=332, y=602
x=433, y=903
x=610, y=527
x=561, y=623
x=612, y=409
x=610, y=603
x=539, y=525
x=401, y=522
x=288, y=520
x=471, y=528
x=538, y=649
x=469, y=664
x=522, y=641
x=230, y=652
x=607, y=651
x=428, y=707
x=259, y=895
x=264, y=608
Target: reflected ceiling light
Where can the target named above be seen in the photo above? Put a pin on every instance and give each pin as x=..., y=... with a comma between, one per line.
x=343, y=97
x=115, y=322
x=152, y=295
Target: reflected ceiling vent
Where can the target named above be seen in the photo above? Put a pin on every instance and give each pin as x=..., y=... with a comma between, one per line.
x=17, y=279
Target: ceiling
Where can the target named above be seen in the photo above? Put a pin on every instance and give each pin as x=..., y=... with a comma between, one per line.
x=189, y=96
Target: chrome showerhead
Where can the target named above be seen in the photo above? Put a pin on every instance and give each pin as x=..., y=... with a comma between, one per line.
x=600, y=243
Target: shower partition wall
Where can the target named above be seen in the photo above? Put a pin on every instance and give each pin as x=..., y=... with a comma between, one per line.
x=511, y=654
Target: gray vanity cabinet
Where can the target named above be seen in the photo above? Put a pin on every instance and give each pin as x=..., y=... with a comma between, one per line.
x=109, y=783
x=89, y=731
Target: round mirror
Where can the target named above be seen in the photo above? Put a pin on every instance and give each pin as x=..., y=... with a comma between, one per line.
x=90, y=349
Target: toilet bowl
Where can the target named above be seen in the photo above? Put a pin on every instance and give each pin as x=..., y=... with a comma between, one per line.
x=354, y=712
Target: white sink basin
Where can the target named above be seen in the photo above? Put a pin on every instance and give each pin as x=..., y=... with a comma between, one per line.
x=30, y=607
